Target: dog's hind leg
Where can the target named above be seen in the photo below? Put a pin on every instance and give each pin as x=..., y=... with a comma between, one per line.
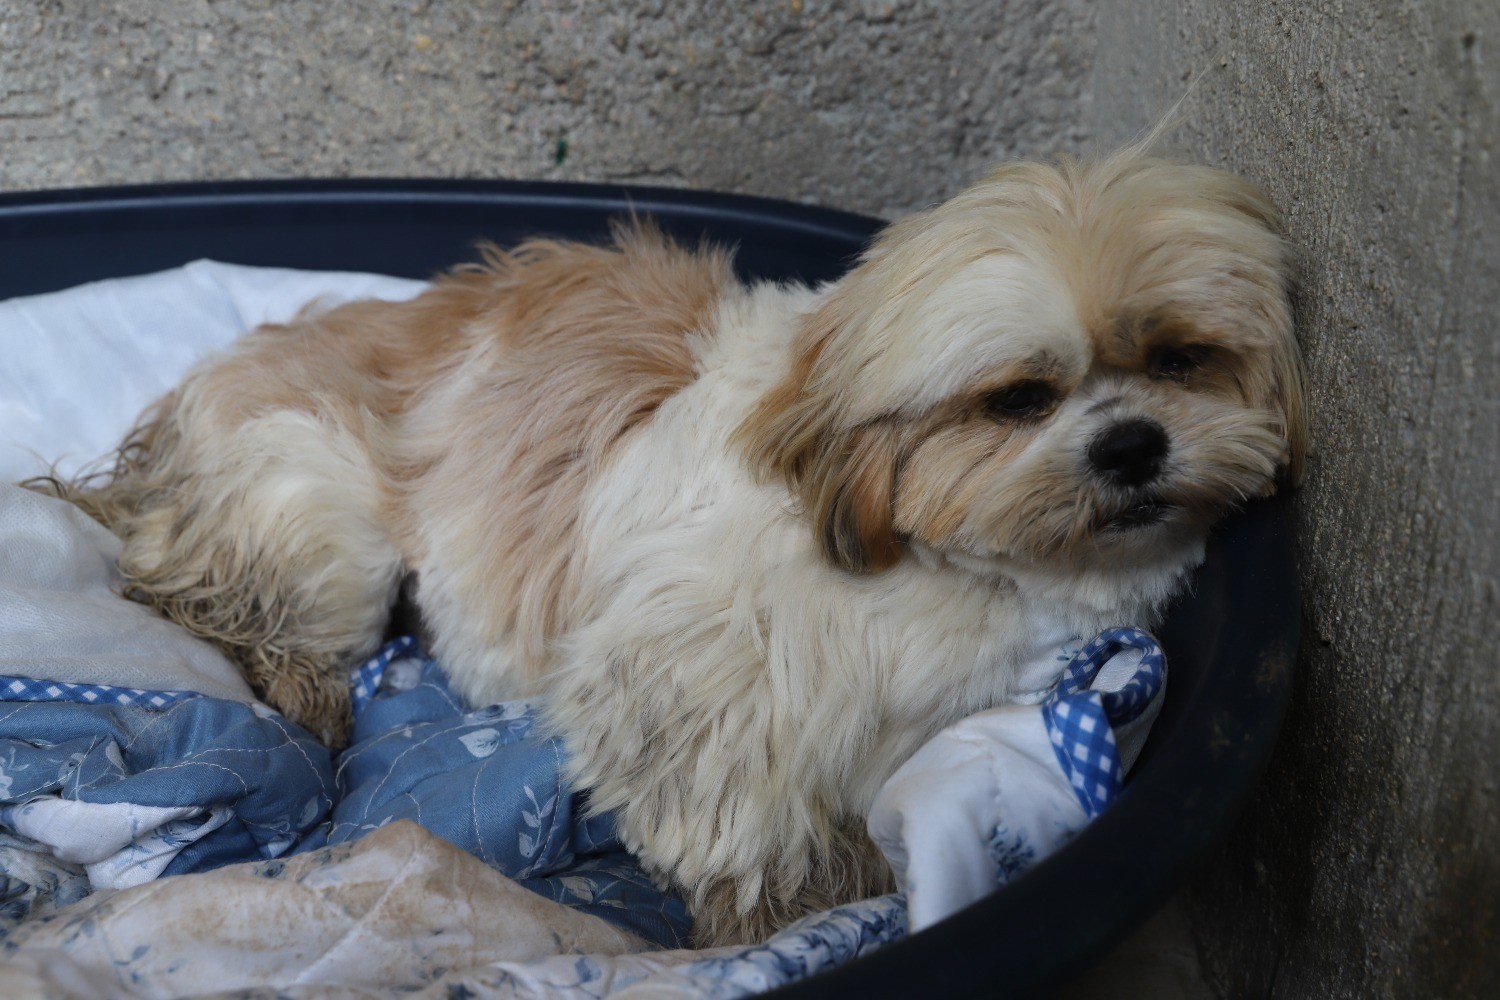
x=259, y=527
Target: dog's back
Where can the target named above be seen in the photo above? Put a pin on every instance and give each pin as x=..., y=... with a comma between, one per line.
x=272, y=503
x=578, y=346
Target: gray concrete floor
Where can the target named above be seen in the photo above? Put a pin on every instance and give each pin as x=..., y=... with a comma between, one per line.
x=1157, y=962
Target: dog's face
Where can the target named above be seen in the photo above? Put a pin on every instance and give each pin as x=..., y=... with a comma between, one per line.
x=1066, y=366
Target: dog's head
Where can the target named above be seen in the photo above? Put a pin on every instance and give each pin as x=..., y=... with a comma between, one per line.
x=1067, y=365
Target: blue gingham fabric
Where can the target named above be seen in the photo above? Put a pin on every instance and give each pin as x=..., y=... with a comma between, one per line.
x=1081, y=722
x=365, y=680
x=30, y=689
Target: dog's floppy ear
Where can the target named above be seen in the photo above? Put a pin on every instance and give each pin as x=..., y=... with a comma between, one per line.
x=844, y=475
x=854, y=502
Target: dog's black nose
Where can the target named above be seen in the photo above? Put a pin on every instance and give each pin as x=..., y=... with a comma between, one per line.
x=1131, y=453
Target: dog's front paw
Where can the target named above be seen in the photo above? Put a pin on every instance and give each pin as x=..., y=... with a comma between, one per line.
x=845, y=868
x=311, y=691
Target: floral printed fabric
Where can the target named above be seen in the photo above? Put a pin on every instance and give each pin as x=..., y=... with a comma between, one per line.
x=415, y=882
x=116, y=795
x=397, y=913
x=487, y=781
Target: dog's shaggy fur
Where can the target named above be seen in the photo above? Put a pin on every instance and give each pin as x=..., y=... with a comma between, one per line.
x=754, y=545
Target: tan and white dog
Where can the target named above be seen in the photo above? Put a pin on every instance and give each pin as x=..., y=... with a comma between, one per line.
x=753, y=544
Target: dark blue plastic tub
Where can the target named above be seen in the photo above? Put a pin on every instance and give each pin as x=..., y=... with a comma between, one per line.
x=1231, y=642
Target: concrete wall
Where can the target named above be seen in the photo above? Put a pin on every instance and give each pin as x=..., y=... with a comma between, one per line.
x=878, y=105
x=1368, y=865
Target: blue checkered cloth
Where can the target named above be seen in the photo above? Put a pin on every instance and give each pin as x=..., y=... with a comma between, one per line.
x=364, y=680
x=30, y=689
x=1081, y=723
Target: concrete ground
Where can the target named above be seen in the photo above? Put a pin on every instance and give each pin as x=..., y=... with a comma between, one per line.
x=1159, y=961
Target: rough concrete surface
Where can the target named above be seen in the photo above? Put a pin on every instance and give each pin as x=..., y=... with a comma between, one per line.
x=1367, y=865
x=878, y=105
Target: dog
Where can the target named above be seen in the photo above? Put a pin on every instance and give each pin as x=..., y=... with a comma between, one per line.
x=752, y=544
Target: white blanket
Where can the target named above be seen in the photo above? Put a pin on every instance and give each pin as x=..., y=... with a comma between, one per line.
x=81, y=364
x=61, y=618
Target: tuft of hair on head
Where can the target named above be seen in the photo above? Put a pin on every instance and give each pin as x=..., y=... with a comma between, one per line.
x=1286, y=388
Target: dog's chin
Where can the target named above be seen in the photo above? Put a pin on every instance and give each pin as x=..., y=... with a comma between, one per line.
x=1150, y=521
x=1146, y=532
x=1125, y=533
x=1136, y=516
x=1136, y=539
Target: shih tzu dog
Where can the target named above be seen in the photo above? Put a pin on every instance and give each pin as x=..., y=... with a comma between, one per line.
x=752, y=544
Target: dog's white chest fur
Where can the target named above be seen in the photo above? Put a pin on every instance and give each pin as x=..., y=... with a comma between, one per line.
x=711, y=624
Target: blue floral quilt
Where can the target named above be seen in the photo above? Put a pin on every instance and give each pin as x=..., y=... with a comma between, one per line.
x=103, y=789
x=484, y=781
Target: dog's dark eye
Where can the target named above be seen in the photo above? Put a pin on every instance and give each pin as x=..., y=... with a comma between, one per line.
x=1176, y=363
x=1024, y=399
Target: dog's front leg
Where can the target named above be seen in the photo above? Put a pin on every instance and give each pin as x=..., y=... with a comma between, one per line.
x=710, y=781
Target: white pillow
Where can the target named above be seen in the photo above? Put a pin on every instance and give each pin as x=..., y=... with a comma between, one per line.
x=81, y=365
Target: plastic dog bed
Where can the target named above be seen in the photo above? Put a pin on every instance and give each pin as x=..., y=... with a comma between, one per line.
x=1231, y=642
